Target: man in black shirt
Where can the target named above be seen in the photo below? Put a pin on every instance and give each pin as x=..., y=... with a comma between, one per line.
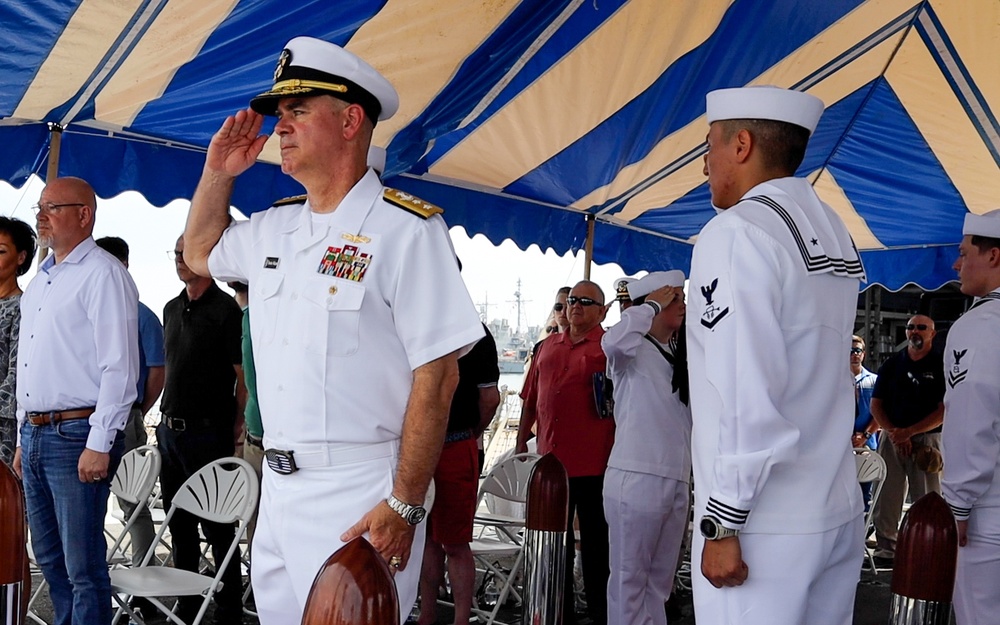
x=456, y=484
x=201, y=333
x=908, y=405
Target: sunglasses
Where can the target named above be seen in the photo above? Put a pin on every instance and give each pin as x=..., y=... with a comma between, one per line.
x=558, y=306
x=910, y=327
x=572, y=300
x=857, y=350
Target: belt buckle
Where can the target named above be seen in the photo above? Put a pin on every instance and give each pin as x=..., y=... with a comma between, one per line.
x=177, y=424
x=281, y=461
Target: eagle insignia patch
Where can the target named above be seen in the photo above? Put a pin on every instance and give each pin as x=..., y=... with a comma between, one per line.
x=957, y=374
x=716, y=306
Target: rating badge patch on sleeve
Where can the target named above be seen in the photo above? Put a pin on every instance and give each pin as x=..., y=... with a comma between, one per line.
x=718, y=304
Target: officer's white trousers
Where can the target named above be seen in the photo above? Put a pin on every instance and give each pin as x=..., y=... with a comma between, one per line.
x=647, y=518
x=977, y=581
x=301, y=518
x=794, y=579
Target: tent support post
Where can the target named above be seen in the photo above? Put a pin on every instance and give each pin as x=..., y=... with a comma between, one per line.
x=588, y=248
x=51, y=170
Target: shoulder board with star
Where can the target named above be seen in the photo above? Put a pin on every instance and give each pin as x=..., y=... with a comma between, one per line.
x=411, y=203
x=295, y=199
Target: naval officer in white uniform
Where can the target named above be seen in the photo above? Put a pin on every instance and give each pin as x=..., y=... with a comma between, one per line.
x=774, y=285
x=647, y=483
x=971, y=435
x=360, y=315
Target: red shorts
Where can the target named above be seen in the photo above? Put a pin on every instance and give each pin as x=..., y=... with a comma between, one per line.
x=456, y=486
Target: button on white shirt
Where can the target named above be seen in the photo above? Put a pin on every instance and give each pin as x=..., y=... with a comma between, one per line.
x=78, y=344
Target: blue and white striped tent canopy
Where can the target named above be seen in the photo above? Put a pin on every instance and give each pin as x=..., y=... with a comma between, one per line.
x=520, y=117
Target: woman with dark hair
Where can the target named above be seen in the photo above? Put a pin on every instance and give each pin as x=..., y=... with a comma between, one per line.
x=17, y=250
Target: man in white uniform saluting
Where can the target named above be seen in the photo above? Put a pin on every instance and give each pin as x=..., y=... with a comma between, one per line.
x=971, y=437
x=774, y=284
x=360, y=315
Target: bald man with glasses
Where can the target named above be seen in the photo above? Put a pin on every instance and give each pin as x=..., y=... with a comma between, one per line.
x=559, y=395
x=908, y=405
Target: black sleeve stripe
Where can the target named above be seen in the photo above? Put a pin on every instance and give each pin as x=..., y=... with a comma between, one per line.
x=733, y=515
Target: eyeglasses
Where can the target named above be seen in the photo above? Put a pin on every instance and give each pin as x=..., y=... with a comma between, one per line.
x=176, y=254
x=910, y=327
x=51, y=209
x=857, y=350
x=573, y=300
x=558, y=306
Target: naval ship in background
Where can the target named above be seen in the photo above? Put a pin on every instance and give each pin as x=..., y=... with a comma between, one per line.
x=513, y=343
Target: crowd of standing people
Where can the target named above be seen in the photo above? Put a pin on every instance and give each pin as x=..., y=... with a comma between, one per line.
x=364, y=373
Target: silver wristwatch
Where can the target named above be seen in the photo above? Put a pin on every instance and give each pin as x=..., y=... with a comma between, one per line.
x=712, y=529
x=411, y=514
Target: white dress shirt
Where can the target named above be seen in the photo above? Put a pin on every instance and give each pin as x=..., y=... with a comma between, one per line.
x=772, y=303
x=78, y=345
x=338, y=352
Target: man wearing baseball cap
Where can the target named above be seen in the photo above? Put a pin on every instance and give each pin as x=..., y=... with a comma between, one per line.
x=356, y=363
x=971, y=436
x=774, y=284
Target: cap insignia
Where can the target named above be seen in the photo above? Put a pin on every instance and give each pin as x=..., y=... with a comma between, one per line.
x=283, y=60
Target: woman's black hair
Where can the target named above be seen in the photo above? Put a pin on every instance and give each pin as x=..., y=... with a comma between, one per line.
x=23, y=238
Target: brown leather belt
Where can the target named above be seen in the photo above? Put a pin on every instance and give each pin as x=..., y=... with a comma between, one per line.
x=58, y=416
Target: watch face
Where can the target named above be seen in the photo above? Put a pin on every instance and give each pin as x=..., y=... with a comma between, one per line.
x=708, y=528
x=416, y=515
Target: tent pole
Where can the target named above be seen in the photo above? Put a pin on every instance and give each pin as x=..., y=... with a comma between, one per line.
x=588, y=248
x=52, y=170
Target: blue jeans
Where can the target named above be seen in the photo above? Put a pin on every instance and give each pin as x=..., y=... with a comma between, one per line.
x=66, y=519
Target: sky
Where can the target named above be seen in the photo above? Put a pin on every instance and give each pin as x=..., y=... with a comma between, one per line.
x=491, y=272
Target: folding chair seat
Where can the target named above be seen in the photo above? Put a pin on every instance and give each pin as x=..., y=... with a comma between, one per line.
x=223, y=491
x=871, y=470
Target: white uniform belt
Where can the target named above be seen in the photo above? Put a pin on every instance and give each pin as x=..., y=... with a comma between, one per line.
x=331, y=454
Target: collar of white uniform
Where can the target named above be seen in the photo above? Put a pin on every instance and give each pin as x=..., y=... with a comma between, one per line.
x=823, y=240
x=353, y=209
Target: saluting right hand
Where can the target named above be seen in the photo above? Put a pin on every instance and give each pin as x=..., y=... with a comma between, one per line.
x=665, y=295
x=236, y=146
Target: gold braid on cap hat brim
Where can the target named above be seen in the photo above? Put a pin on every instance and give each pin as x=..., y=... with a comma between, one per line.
x=297, y=85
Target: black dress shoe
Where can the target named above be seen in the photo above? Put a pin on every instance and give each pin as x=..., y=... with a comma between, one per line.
x=882, y=562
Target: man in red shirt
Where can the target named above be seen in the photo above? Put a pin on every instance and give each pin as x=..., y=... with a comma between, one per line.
x=559, y=396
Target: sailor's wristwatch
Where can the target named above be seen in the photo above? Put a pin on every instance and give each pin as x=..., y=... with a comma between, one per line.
x=712, y=529
x=411, y=514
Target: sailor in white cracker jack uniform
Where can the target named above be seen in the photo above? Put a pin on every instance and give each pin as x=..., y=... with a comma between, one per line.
x=773, y=292
x=970, y=441
x=647, y=483
x=360, y=315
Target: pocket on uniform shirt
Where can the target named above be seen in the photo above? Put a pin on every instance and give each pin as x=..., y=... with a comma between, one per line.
x=267, y=288
x=336, y=310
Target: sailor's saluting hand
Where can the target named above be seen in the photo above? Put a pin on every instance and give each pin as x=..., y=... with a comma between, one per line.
x=236, y=145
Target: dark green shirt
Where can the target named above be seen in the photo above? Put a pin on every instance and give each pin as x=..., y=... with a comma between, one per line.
x=252, y=411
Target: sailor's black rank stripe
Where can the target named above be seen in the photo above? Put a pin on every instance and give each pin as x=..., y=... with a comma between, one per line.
x=954, y=379
x=813, y=264
x=959, y=511
x=724, y=512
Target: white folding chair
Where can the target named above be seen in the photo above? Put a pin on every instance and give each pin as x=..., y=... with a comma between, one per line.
x=504, y=492
x=223, y=491
x=506, y=482
x=133, y=481
x=871, y=470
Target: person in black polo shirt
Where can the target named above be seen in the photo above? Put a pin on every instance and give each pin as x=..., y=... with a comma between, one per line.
x=201, y=334
x=907, y=404
x=456, y=484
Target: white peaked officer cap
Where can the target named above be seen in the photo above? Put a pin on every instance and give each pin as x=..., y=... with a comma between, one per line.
x=765, y=102
x=985, y=225
x=656, y=280
x=309, y=67
x=621, y=288
x=376, y=158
